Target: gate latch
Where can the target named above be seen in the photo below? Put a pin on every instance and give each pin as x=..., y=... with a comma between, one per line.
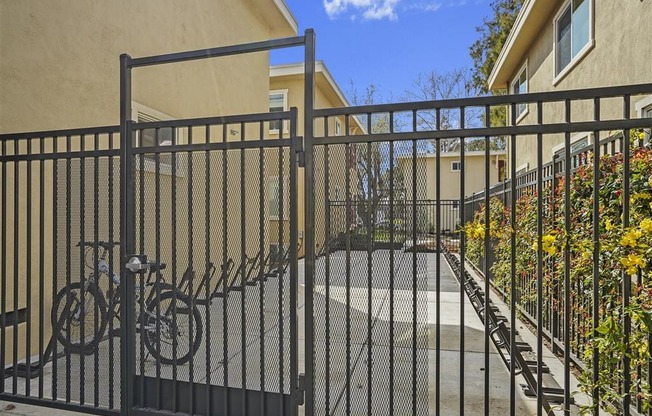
x=301, y=389
x=137, y=264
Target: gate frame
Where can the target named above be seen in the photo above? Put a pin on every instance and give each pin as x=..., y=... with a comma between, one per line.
x=127, y=211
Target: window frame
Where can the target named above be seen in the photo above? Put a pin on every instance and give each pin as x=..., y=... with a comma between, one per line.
x=588, y=136
x=459, y=162
x=338, y=127
x=643, y=106
x=558, y=76
x=149, y=165
x=526, y=106
x=285, y=93
x=276, y=217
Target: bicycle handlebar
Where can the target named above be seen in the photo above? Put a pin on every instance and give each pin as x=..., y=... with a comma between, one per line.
x=104, y=244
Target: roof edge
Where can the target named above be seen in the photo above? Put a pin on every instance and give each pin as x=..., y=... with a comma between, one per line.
x=523, y=14
x=287, y=14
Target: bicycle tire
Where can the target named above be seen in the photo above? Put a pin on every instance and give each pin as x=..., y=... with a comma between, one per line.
x=60, y=325
x=149, y=332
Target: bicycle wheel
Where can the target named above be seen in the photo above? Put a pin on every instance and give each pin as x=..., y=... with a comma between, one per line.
x=71, y=317
x=165, y=328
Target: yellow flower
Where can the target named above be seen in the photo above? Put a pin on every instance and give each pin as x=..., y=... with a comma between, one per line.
x=632, y=262
x=646, y=226
x=630, y=238
x=609, y=225
x=548, y=244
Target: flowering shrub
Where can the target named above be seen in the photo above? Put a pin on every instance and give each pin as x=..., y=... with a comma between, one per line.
x=625, y=254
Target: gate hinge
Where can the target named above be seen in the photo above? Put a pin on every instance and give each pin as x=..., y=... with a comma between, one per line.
x=301, y=389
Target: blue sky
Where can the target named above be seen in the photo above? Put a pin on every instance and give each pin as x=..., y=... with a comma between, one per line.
x=388, y=42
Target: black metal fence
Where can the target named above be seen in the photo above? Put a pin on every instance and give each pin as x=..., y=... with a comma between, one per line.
x=340, y=342
x=182, y=292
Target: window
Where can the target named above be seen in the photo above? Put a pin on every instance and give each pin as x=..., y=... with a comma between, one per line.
x=572, y=33
x=165, y=136
x=338, y=128
x=456, y=166
x=578, y=142
x=274, y=198
x=644, y=110
x=278, y=101
x=519, y=86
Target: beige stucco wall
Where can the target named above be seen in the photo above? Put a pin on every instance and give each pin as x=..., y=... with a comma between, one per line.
x=59, y=68
x=324, y=98
x=621, y=55
x=474, y=181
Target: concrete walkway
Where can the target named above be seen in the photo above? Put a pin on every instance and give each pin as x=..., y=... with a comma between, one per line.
x=360, y=344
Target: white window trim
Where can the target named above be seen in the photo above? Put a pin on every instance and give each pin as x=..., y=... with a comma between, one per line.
x=574, y=139
x=642, y=105
x=149, y=165
x=285, y=108
x=285, y=211
x=456, y=170
x=523, y=168
x=338, y=124
x=524, y=67
x=556, y=78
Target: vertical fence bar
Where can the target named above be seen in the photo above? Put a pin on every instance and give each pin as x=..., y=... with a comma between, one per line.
x=309, y=102
x=567, y=259
x=157, y=251
x=68, y=271
x=596, y=258
x=438, y=266
x=327, y=283
x=414, y=271
x=41, y=266
x=16, y=229
x=370, y=243
x=207, y=271
x=82, y=247
x=243, y=274
x=487, y=242
x=225, y=288
x=391, y=269
x=347, y=216
x=141, y=279
x=96, y=208
x=55, y=257
x=127, y=349
x=281, y=269
x=540, y=261
x=173, y=213
x=261, y=270
x=191, y=289
x=28, y=273
x=627, y=279
x=112, y=282
x=293, y=258
x=512, y=260
x=462, y=261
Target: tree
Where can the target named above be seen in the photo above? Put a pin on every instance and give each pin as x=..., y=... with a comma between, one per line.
x=457, y=83
x=493, y=34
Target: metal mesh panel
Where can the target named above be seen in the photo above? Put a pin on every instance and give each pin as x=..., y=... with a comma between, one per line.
x=371, y=281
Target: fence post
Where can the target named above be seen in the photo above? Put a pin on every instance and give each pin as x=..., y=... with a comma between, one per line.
x=127, y=328
x=309, y=102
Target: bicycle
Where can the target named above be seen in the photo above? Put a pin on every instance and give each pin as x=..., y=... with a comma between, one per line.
x=164, y=325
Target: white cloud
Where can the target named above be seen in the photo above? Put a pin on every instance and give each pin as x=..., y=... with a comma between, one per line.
x=424, y=7
x=385, y=9
x=370, y=9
